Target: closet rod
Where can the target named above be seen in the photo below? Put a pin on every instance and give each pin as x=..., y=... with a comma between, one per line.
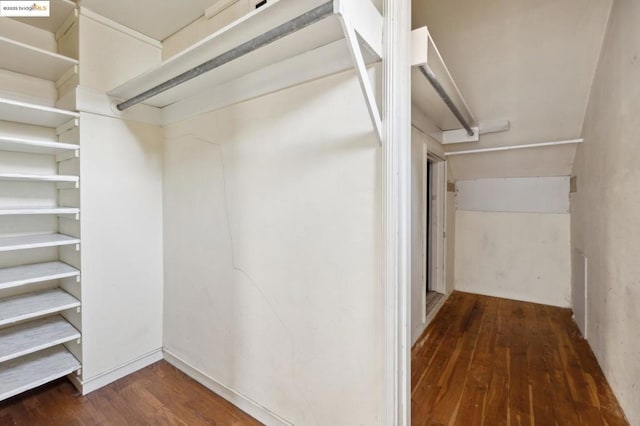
x=446, y=98
x=314, y=15
x=512, y=147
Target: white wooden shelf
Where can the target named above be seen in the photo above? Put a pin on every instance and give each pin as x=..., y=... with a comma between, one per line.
x=33, y=305
x=32, y=61
x=38, y=115
x=32, y=333
x=326, y=46
x=28, y=211
x=59, y=11
x=34, y=336
x=36, y=241
x=23, y=177
x=36, y=146
x=34, y=370
x=39, y=272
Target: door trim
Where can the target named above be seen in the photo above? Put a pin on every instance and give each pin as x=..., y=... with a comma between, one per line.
x=396, y=262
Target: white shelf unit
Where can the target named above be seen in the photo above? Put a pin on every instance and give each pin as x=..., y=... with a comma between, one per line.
x=30, y=211
x=39, y=311
x=281, y=44
x=34, y=305
x=36, y=241
x=24, y=177
x=34, y=146
x=28, y=372
x=33, y=336
x=37, y=115
x=17, y=276
x=59, y=11
x=28, y=60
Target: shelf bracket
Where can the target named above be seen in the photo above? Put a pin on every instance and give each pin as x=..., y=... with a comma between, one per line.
x=351, y=36
x=69, y=125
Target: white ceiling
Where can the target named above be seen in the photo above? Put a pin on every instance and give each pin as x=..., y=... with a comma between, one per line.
x=157, y=19
x=531, y=62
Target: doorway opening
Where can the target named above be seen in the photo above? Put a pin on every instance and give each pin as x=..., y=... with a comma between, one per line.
x=434, y=225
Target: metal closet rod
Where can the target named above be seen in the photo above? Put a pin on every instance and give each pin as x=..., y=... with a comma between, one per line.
x=296, y=24
x=446, y=98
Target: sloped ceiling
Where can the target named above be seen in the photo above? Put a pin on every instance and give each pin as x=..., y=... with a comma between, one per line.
x=531, y=62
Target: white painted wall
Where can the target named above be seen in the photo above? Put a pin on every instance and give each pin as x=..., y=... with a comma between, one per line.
x=606, y=208
x=273, y=247
x=121, y=231
x=512, y=238
x=522, y=256
x=109, y=57
x=121, y=214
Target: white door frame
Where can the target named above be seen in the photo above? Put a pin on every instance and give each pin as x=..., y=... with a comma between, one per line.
x=438, y=223
x=396, y=160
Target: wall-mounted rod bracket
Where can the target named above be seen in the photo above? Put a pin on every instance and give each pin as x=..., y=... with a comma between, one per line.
x=447, y=137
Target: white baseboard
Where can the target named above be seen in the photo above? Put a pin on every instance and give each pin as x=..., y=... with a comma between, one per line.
x=244, y=403
x=558, y=301
x=103, y=379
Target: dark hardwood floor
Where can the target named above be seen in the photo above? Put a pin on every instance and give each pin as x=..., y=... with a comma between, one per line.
x=482, y=360
x=491, y=361
x=157, y=395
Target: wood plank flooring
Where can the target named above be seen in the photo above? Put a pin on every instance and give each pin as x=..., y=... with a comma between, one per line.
x=490, y=361
x=157, y=395
x=481, y=361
